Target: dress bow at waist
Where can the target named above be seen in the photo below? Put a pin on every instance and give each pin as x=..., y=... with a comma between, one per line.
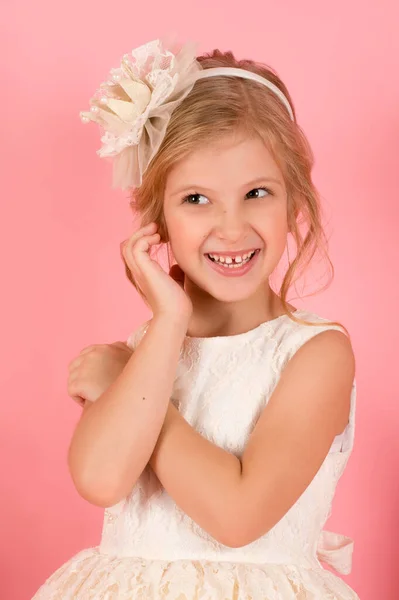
x=336, y=551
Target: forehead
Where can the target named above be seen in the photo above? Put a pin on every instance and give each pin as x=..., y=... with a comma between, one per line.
x=231, y=161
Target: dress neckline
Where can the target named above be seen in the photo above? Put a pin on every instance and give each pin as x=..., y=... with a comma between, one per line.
x=241, y=336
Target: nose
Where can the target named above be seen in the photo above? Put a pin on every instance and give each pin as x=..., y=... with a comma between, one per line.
x=231, y=225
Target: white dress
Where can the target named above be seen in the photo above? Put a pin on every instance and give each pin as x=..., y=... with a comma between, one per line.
x=151, y=549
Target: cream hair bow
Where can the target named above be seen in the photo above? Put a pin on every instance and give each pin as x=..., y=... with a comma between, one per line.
x=134, y=106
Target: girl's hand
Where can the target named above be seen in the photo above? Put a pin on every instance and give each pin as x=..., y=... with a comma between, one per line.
x=97, y=366
x=94, y=369
x=164, y=293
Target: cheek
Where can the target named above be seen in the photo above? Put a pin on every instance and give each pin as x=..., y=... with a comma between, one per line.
x=274, y=228
x=277, y=224
x=185, y=234
x=281, y=233
x=183, y=243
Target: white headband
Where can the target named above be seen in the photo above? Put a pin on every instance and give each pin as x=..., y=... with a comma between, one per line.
x=135, y=105
x=244, y=74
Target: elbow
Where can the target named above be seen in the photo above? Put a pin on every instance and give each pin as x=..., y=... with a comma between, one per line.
x=231, y=539
x=97, y=497
x=240, y=532
x=230, y=533
x=244, y=521
x=96, y=493
x=236, y=539
x=93, y=488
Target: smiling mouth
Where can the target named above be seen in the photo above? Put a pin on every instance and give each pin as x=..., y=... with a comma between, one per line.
x=232, y=262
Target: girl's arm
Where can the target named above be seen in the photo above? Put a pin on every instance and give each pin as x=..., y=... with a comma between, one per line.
x=239, y=501
x=116, y=435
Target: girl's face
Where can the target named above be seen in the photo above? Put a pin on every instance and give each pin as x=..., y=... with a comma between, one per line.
x=226, y=197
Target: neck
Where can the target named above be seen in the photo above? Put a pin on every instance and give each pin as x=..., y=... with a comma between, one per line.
x=212, y=317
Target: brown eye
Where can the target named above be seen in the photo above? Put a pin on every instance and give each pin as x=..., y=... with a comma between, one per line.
x=257, y=190
x=187, y=199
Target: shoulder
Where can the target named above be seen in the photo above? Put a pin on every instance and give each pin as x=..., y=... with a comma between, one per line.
x=322, y=339
x=314, y=393
x=321, y=367
x=327, y=345
x=320, y=354
x=315, y=339
x=317, y=346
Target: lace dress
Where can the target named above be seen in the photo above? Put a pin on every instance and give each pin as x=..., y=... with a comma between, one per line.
x=151, y=549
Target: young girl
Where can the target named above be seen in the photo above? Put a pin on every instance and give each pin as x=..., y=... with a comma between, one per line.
x=215, y=439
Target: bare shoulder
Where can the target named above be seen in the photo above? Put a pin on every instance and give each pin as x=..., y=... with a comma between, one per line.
x=321, y=372
x=330, y=346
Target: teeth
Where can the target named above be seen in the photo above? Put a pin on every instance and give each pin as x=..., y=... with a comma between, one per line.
x=230, y=259
x=232, y=262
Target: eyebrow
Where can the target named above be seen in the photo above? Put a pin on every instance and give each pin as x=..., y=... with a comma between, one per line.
x=256, y=181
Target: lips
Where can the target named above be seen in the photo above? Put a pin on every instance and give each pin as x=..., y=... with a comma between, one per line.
x=233, y=271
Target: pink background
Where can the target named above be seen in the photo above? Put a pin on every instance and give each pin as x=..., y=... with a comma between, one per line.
x=62, y=278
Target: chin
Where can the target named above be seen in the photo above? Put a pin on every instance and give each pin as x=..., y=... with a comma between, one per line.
x=232, y=291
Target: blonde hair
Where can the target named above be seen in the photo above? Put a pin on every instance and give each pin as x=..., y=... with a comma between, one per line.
x=218, y=106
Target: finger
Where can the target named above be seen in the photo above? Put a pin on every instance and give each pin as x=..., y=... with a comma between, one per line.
x=87, y=349
x=75, y=390
x=77, y=361
x=87, y=355
x=146, y=230
x=74, y=363
x=140, y=252
x=72, y=383
x=144, y=243
x=133, y=251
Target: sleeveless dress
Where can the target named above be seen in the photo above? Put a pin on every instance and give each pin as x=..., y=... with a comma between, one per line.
x=151, y=549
